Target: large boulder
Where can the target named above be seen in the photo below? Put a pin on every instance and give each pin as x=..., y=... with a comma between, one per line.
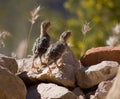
x=49, y=91
x=96, y=55
x=64, y=76
x=11, y=86
x=114, y=92
x=103, y=89
x=93, y=75
x=9, y=63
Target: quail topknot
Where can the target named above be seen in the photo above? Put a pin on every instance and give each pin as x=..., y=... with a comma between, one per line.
x=42, y=42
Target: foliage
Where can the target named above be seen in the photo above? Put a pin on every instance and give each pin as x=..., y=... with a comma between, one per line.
x=103, y=14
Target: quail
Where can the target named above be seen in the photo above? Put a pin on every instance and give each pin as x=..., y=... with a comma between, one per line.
x=57, y=49
x=42, y=42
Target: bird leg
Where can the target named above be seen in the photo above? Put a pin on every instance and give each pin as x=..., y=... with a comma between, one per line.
x=50, y=71
x=33, y=65
x=42, y=63
x=59, y=67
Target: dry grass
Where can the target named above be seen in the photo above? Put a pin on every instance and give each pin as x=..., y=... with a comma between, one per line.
x=85, y=29
x=21, y=50
x=33, y=17
x=3, y=35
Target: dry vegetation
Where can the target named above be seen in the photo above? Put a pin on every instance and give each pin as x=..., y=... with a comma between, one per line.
x=3, y=35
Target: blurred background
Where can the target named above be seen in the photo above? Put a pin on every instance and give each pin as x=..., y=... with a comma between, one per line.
x=100, y=15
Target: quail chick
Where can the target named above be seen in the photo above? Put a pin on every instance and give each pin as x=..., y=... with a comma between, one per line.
x=42, y=42
x=56, y=50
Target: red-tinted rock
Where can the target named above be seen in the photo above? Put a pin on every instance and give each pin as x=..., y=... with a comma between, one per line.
x=96, y=55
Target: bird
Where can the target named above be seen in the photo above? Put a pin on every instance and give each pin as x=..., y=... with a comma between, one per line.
x=42, y=43
x=56, y=50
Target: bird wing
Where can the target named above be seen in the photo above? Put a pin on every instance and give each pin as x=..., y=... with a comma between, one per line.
x=56, y=50
x=43, y=43
x=40, y=44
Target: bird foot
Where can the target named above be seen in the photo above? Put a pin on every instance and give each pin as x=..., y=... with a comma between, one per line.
x=34, y=68
x=49, y=73
x=60, y=66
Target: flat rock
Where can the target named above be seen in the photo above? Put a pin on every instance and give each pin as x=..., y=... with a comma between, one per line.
x=49, y=91
x=114, y=92
x=93, y=75
x=9, y=63
x=11, y=86
x=96, y=55
x=103, y=89
x=64, y=76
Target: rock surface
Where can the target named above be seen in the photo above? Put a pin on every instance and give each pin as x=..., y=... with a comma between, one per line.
x=9, y=63
x=90, y=94
x=79, y=93
x=114, y=92
x=96, y=55
x=11, y=87
x=103, y=89
x=49, y=91
x=93, y=75
x=64, y=76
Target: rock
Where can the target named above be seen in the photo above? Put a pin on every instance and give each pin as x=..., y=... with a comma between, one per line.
x=11, y=87
x=49, y=91
x=96, y=55
x=114, y=92
x=103, y=89
x=64, y=76
x=9, y=63
x=89, y=95
x=93, y=75
x=25, y=64
x=69, y=58
x=79, y=93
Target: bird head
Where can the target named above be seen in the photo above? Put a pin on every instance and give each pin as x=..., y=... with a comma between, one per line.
x=65, y=35
x=45, y=25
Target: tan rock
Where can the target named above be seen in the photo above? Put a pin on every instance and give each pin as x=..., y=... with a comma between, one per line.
x=64, y=76
x=79, y=93
x=103, y=89
x=11, y=87
x=114, y=92
x=93, y=75
x=96, y=55
x=9, y=63
x=49, y=91
x=25, y=64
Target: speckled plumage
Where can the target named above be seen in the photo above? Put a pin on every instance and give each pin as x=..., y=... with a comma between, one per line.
x=42, y=42
x=41, y=45
x=57, y=49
